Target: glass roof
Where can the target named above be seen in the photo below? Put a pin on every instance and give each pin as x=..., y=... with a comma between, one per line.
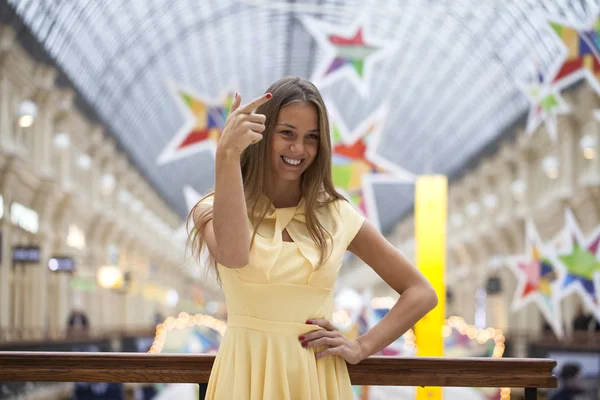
x=449, y=79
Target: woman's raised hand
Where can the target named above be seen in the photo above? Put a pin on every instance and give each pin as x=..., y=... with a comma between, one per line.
x=243, y=127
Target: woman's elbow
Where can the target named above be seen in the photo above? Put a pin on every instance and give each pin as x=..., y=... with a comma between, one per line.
x=431, y=298
x=234, y=261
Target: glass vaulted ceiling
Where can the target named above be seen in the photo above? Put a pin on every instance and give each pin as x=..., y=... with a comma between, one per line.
x=450, y=80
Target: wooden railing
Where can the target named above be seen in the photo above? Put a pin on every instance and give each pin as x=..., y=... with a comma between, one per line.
x=529, y=374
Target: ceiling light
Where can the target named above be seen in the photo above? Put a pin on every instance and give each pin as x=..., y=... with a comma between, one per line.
x=109, y=276
x=136, y=205
x=588, y=145
x=172, y=298
x=124, y=197
x=27, y=113
x=456, y=220
x=84, y=161
x=61, y=141
x=490, y=201
x=472, y=209
x=108, y=184
x=518, y=188
x=550, y=167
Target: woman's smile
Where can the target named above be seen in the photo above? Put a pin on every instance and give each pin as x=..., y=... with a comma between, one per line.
x=293, y=161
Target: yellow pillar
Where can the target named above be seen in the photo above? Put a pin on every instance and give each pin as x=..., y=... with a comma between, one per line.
x=430, y=234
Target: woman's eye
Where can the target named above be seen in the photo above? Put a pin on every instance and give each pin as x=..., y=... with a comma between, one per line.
x=313, y=137
x=286, y=132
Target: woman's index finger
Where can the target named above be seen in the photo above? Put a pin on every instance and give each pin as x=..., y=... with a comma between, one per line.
x=254, y=104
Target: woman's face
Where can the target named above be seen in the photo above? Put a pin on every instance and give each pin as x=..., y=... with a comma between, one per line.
x=295, y=140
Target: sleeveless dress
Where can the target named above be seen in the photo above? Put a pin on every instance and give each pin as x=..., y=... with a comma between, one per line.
x=268, y=302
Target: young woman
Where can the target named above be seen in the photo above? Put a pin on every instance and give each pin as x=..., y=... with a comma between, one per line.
x=277, y=231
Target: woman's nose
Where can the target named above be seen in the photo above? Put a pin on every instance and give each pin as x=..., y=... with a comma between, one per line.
x=296, y=147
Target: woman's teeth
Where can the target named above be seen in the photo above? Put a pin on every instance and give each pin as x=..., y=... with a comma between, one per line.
x=291, y=161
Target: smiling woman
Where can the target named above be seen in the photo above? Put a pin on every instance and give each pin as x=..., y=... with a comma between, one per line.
x=296, y=140
x=277, y=232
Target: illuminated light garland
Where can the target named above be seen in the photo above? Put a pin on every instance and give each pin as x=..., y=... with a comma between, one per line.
x=482, y=336
x=184, y=320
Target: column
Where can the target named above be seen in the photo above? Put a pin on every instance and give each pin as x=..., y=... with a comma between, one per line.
x=6, y=252
x=42, y=130
x=45, y=204
x=96, y=137
x=7, y=38
x=567, y=152
x=524, y=172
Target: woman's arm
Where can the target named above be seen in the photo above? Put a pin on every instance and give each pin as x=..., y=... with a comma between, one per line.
x=227, y=235
x=230, y=218
x=417, y=297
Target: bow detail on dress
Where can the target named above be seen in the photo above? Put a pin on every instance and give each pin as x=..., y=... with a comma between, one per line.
x=269, y=238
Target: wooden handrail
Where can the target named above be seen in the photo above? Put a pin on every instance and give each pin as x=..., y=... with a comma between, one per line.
x=193, y=368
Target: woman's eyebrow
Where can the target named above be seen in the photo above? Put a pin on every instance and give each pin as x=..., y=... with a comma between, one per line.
x=316, y=130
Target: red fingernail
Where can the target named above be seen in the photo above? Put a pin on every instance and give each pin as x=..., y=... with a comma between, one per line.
x=235, y=95
x=304, y=344
x=269, y=95
x=301, y=338
x=308, y=322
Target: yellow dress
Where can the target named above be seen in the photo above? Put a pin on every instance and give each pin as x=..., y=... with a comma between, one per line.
x=268, y=302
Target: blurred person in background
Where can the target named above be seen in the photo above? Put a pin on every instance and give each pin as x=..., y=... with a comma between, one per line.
x=571, y=386
x=585, y=322
x=77, y=324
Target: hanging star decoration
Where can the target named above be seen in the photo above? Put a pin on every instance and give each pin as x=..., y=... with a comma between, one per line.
x=205, y=119
x=356, y=164
x=350, y=53
x=582, y=59
x=538, y=279
x=579, y=59
x=545, y=104
x=581, y=260
x=582, y=56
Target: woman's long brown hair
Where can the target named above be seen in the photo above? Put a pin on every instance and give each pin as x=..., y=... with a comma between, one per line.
x=316, y=182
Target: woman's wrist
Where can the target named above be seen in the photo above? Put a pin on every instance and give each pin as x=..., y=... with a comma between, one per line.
x=227, y=154
x=364, y=350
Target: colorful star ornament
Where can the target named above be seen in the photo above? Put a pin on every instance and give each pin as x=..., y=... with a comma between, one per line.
x=205, y=119
x=579, y=59
x=356, y=164
x=350, y=53
x=538, y=279
x=545, y=104
x=582, y=58
x=580, y=257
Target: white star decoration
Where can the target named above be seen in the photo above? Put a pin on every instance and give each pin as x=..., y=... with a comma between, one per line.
x=204, y=120
x=579, y=255
x=350, y=52
x=535, y=283
x=356, y=164
x=545, y=104
x=578, y=65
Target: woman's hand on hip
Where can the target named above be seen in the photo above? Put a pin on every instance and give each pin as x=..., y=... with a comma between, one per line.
x=243, y=127
x=331, y=337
